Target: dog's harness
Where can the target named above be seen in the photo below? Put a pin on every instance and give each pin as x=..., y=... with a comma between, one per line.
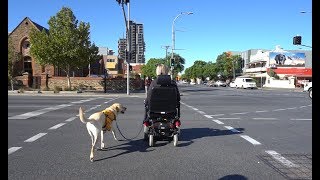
x=110, y=116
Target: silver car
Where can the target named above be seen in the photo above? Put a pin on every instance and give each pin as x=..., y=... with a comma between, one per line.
x=220, y=83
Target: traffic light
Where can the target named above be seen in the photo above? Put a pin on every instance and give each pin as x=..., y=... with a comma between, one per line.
x=297, y=40
x=130, y=68
x=172, y=62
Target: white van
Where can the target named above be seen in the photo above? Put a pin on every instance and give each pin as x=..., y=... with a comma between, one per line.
x=245, y=82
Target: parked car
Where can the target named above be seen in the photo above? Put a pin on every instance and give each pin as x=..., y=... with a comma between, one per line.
x=245, y=82
x=308, y=88
x=232, y=84
x=192, y=83
x=220, y=83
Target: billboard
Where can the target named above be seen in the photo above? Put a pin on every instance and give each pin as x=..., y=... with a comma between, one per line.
x=287, y=59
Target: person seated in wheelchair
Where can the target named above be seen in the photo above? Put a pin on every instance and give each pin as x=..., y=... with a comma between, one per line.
x=163, y=98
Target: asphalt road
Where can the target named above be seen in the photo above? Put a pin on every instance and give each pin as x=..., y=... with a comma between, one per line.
x=226, y=134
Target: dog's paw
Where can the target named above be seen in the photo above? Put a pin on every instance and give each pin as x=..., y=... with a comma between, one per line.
x=91, y=159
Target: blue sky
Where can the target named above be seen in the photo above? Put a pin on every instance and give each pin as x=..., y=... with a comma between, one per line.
x=213, y=28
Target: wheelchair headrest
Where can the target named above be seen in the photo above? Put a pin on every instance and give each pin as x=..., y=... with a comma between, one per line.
x=164, y=80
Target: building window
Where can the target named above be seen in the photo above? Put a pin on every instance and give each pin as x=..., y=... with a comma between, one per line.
x=27, y=64
x=26, y=44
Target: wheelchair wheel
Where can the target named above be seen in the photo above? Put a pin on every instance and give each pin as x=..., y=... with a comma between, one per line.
x=175, y=140
x=151, y=140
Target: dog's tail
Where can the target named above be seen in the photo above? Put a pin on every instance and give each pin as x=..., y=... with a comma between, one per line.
x=81, y=116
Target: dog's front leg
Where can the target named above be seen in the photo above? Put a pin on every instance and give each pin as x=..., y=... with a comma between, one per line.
x=114, y=134
x=102, y=142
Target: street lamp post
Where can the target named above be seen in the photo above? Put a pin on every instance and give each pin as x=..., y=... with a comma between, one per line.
x=173, y=36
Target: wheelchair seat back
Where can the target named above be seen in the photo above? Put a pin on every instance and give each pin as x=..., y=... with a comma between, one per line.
x=163, y=99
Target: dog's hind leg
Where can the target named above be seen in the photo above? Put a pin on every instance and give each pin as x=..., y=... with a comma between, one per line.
x=102, y=143
x=95, y=137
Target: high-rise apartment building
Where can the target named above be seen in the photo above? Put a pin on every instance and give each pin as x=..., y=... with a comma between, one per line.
x=137, y=44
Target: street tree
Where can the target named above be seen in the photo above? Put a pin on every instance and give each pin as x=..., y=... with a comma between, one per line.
x=178, y=64
x=196, y=70
x=66, y=46
x=149, y=69
x=209, y=70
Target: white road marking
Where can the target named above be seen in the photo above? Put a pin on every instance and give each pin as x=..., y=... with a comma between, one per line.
x=217, y=121
x=264, y=118
x=77, y=102
x=35, y=137
x=252, y=141
x=228, y=118
x=195, y=109
x=279, y=110
x=301, y=119
x=57, y=126
x=281, y=159
x=260, y=111
x=71, y=119
x=216, y=115
x=38, y=112
x=303, y=106
x=240, y=113
x=208, y=116
x=292, y=108
x=13, y=149
x=201, y=112
x=232, y=129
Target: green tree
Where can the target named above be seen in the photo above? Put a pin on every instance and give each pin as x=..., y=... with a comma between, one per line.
x=13, y=57
x=210, y=70
x=178, y=64
x=149, y=69
x=196, y=70
x=66, y=46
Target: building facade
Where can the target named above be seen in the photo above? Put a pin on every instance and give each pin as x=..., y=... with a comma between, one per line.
x=293, y=66
x=137, y=44
x=27, y=64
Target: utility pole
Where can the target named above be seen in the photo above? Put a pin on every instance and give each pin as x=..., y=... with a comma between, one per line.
x=166, y=47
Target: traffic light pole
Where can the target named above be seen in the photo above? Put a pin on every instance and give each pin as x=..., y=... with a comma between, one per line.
x=129, y=49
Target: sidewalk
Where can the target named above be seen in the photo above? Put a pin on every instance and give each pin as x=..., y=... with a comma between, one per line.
x=75, y=93
x=282, y=89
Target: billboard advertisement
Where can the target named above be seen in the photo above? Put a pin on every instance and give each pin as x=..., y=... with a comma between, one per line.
x=287, y=59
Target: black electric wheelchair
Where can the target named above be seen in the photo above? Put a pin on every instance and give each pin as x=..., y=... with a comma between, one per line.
x=162, y=115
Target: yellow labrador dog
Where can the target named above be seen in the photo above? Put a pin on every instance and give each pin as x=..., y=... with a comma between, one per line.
x=101, y=122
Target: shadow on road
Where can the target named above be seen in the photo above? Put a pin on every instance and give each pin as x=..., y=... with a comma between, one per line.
x=233, y=177
x=186, y=135
x=195, y=133
x=129, y=147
